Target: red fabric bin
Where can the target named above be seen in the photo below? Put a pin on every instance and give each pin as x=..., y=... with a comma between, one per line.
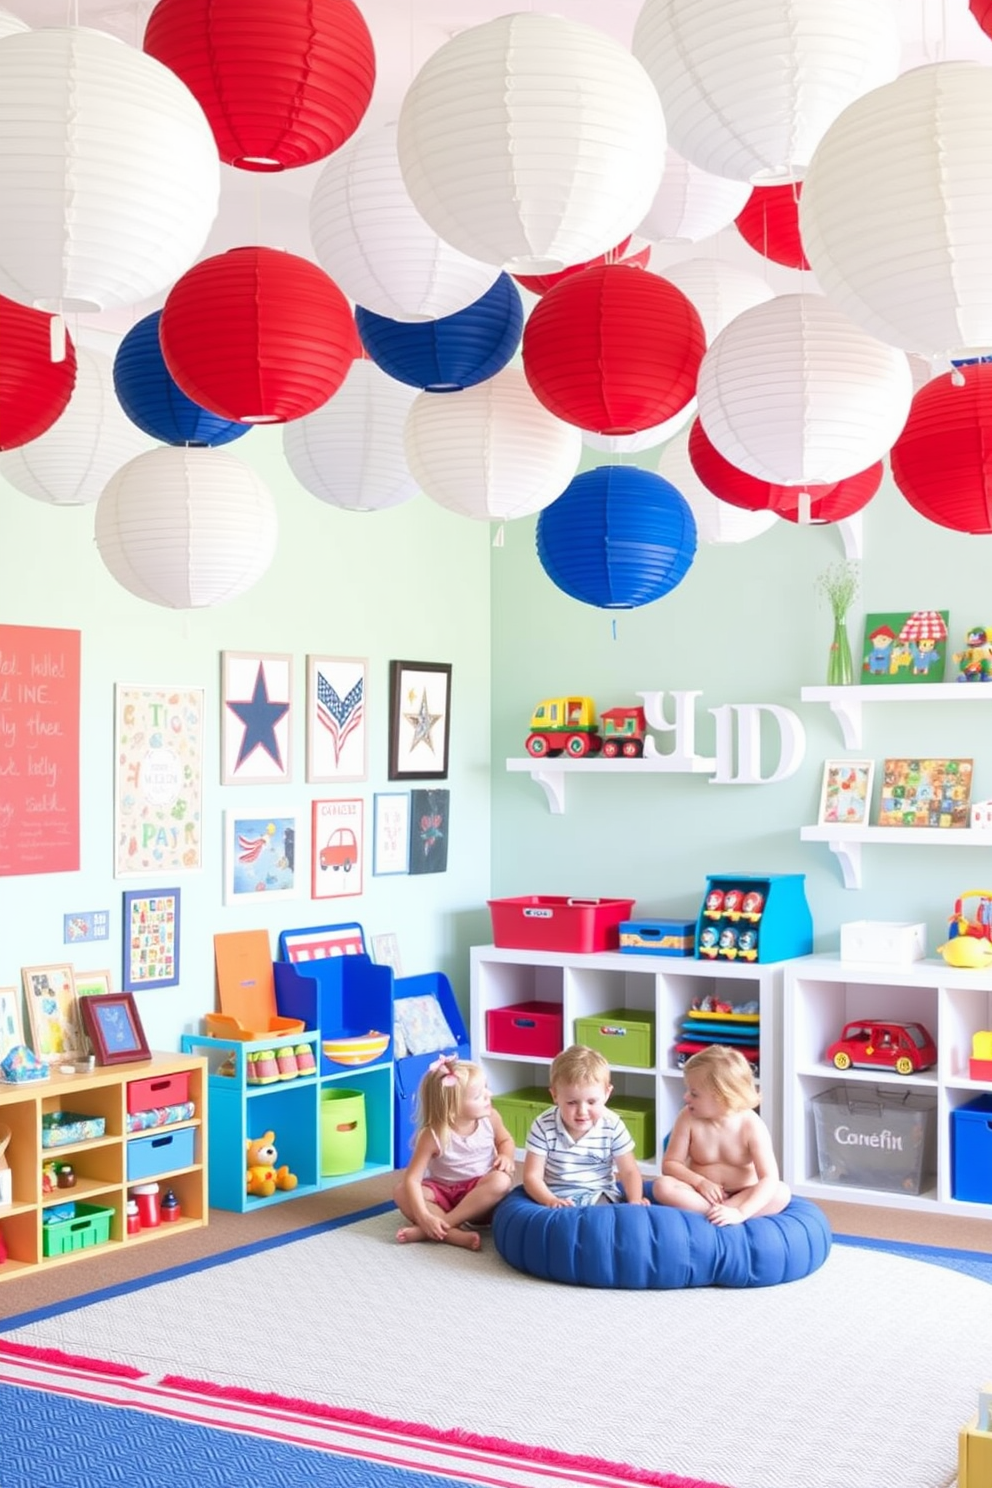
x=548, y=922
x=525, y=1028
x=162, y=1090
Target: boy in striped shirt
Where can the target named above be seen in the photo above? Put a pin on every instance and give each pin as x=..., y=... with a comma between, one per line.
x=579, y=1151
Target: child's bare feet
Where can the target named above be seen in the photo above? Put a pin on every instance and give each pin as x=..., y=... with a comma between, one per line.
x=410, y=1233
x=468, y=1239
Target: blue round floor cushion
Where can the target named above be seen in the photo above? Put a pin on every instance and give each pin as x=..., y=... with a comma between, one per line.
x=655, y=1247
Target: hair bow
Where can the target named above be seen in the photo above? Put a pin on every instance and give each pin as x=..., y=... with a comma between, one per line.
x=444, y=1068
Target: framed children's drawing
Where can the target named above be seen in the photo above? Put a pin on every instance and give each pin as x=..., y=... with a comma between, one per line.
x=419, y=719
x=904, y=646
x=259, y=855
x=337, y=718
x=151, y=939
x=93, y=983
x=845, y=797
x=337, y=848
x=50, y=995
x=114, y=1029
x=256, y=718
x=390, y=832
x=925, y=793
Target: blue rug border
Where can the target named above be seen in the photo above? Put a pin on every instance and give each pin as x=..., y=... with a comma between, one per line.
x=976, y=1263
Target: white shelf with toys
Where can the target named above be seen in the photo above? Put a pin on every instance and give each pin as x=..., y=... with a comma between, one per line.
x=846, y=703
x=845, y=842
x=822, y=993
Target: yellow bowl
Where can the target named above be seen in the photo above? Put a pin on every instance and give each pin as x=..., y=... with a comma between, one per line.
x=359, y=1048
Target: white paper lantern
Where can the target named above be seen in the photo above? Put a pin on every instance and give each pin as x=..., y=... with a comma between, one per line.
x=691, y=204
x=186, y=528
x=492, y=451
x=11, y=25
x=793, y=391
x=719, y=290
x=350, y=452
x=532, y=142
x=750, y=86
x=109, y=174
x=70, y=463
x=370, y=238
x=896, y=210
x=717, y=522
x=644, y=439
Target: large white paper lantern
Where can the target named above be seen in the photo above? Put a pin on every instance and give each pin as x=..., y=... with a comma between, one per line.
x=720, y=291
x=70, y=463
x=532, y=142
x=643, y=439
x=793, y=391
x=492, y=451
x=717, y=522
x=749, y=87
x=691, y=204
x=186, y=528
x=109, y=175
x=10, y=25
x=373, y=242
x=350, y=452
x=896, y=210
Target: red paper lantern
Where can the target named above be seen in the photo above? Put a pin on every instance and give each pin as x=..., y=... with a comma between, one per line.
x=257, y=336
x=942, y=460
x=613, y=349
x=982, y=11
x=34, y=389
x=539, y=284
x=827, y=503
x=282, y=82
x=769, y=222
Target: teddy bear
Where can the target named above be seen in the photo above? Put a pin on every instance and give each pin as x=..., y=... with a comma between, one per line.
x=263, y=1177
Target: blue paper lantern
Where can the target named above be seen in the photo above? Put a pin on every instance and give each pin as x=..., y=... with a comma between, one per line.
x=457, y=351
x=617, y=537
x=152, y=399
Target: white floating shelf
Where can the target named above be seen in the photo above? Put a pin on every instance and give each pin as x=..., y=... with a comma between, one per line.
x=845, y=842
x=550, y=772
x=846, y=702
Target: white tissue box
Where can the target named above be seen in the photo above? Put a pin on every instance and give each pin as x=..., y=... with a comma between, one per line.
x=894, y=941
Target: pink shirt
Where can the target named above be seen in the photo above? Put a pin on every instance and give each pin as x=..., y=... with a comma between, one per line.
x=466, y=1157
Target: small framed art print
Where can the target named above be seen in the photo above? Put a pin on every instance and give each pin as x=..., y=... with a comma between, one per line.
x=260, y=849
x=845, y=797
x=114, y=1028
x=419, y=719
x=53, y=1012
x=337, y=848
x=256, y=718
x=390, y=832
x=151, y=939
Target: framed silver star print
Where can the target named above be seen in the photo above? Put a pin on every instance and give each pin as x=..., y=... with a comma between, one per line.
x=419, y=719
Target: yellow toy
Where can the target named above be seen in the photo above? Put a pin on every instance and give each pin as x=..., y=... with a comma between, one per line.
x=263, y=1176
x=975, y=955
x=969, y=942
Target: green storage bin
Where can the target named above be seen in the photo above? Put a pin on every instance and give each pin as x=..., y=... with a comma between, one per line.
x=637, y=1114
x=518, y=1109
x=625, y=1036
x=89, y=1226
x=343, y=1131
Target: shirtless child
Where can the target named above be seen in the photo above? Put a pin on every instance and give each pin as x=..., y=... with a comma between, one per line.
x=719, y=1159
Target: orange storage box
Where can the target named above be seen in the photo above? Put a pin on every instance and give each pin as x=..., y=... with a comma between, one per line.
x=547, y=922
x=525, y=1028
x=166, y=1090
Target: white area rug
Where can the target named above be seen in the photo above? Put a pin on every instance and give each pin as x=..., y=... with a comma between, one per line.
x=859, y=1376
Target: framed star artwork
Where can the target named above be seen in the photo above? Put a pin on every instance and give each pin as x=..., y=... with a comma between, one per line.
x=419, y=719
x=256, y=718
x=337, y=715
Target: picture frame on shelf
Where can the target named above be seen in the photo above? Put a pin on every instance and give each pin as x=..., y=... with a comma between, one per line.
x=11, y=1025
x=904, y=646
x=256, y=718
x=150, y=934
x=260, y=855
x=390, y=833
x=419, y=720
x=53, y=1012
x=337, y=848
x=845, y=794
x=337, y=719
x=919, y=792
x=114, y=1028
x=93, y=983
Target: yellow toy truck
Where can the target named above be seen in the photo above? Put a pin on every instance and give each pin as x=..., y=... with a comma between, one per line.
x=569, y=725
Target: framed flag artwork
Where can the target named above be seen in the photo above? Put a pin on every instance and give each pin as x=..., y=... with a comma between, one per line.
x=337, y=736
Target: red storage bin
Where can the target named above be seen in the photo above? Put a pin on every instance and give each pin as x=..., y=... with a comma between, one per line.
x=165, y=1090
x=546, y=922
x=525, y=1028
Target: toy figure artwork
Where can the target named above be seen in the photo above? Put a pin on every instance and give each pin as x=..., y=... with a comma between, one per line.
x=904, y=646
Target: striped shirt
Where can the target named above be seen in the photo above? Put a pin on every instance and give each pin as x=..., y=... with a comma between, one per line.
x=580, y=1169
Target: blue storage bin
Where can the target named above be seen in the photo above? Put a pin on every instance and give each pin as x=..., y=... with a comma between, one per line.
x=410, y=1071
x=971, y=1151
x=163, y=1152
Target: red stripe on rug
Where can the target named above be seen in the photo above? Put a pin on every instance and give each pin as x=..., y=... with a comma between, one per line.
x=455, y=1436
x=74, y=1361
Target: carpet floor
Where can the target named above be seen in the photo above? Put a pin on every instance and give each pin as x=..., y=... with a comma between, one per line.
x=809, y=1384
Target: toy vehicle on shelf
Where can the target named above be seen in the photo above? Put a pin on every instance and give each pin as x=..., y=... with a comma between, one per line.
x=869, y=1044
x=569, y=725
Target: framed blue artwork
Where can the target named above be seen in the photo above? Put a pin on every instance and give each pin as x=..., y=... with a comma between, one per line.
x=114, y=1028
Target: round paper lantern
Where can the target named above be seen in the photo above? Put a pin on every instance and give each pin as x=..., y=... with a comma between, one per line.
x=151, y=398
x=109, y=175
x=792, y=391
x=454, y=352
x=982, y=11
x=186, y=528
x=717, y=522
x=810, y=503
x=896, y=211
x=942, y=460
x=350, y=452
x=644, y=439
x=371, y=239
x=11, y=24
x=718, y=291
x=618, y=537
x=539, y=284
x=282, y=85
x=34, y=387
x=769, y=223
x=532, y=142
x=613, y=349
x=491, y=452
x=70, y=463
x=257, y=336
x=691, y=204
x=750, y=86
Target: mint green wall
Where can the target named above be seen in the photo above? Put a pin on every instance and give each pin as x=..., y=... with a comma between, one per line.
x=411, y=583
x=745, y=625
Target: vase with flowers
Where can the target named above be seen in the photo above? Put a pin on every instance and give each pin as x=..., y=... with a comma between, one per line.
x=839, y=585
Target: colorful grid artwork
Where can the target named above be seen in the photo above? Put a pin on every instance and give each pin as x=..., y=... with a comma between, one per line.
x=925, y=793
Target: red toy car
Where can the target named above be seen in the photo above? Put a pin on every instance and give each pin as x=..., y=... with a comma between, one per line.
x=904, y=1047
